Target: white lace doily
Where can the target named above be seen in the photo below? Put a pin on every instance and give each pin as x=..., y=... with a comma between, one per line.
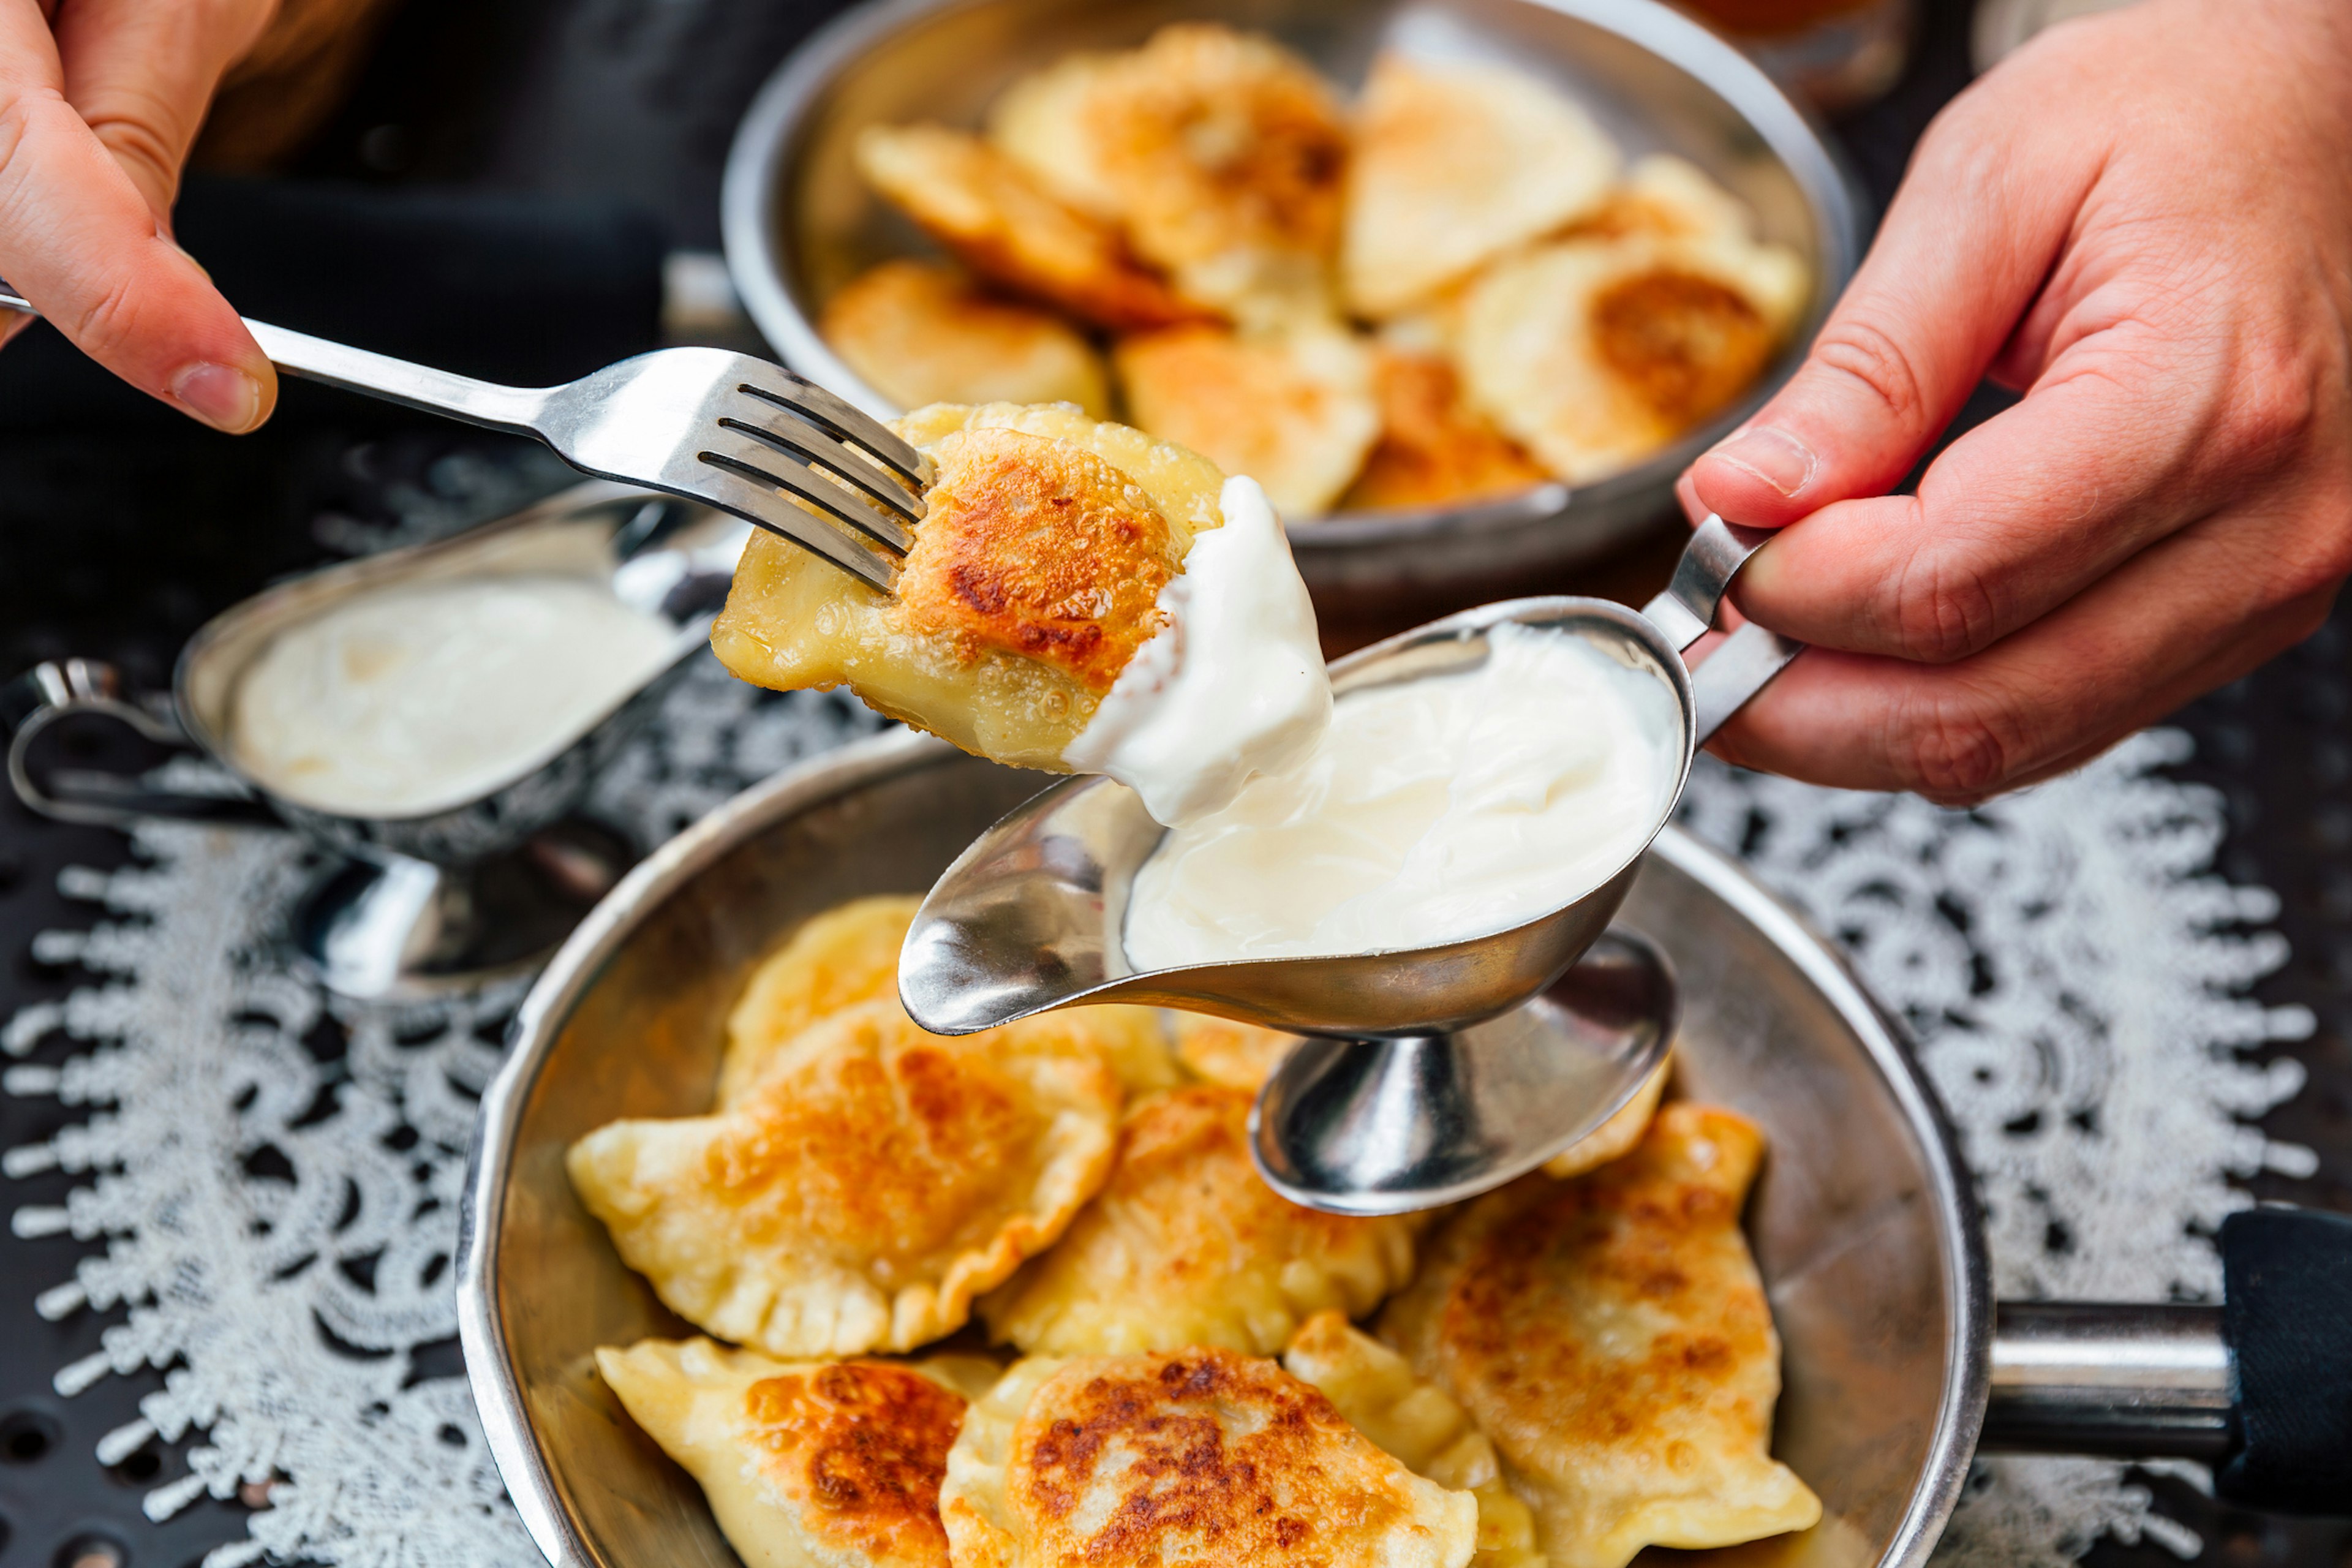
x=276, y=1174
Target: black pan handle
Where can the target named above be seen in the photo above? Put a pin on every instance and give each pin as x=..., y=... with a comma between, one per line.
x=2287, y=1315
x=2260, y=1387
x=61, y=689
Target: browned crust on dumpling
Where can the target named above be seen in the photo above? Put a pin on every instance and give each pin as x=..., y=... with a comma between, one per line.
x=986, y=208
x=1686, y=345
x=925, y=331
x=1265, y=1494
x=862, y=1448
x=1434, y=447
x=1221, y=153
x=1292, y=410
x=1039, y=548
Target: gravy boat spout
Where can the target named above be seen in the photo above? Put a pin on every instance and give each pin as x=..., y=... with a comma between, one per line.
x=1030, y=917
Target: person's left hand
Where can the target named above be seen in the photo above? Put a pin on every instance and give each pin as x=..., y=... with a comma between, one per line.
x=99, y=101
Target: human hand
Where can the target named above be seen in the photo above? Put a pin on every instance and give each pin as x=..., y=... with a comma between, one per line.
x=2145, y=221
x=99, y=102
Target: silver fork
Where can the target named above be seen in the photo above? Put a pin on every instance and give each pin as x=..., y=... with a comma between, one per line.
x=734, y=432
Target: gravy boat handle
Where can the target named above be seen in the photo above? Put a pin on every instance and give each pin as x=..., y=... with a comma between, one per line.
x=1749, y=657
x=61, y=689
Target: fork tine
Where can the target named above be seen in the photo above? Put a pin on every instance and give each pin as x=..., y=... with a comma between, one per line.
x=755, y=500
x=748, y=452
x=813, y=404
x=804, y=443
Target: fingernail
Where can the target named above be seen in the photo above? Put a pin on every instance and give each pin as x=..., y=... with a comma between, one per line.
x=223, y=397
x=1774, y=455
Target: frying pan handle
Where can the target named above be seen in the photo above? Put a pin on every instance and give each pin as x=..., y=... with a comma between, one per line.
x=1750, y=657
x=59, y=689
x=2261, y=1387
x=2287, y=1314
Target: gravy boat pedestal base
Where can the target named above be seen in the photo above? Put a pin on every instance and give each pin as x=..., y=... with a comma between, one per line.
x=384, y=927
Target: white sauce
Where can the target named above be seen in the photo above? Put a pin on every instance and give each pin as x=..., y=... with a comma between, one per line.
x=417, y=699
x=1232, y=687
x=1433, y=811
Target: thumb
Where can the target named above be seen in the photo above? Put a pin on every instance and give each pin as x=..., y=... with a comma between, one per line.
x=1973, y=231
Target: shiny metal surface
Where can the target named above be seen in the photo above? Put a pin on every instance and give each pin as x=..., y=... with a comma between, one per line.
x=662, y=557
x=1863, y=1223
x=799, y=224
x=1749, y=658
x=720, y=429
x=445, y=898
x=2128, y=1380
x=1029, y=916
x=1381, y=1126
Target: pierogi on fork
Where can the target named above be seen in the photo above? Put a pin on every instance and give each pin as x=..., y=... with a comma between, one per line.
x=1079, y=597
x=1018, y=1299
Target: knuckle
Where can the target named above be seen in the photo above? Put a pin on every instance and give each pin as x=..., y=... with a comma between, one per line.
x=1870, y=355
x=1956, y=750
x=1944, y=609
x=2273, y=409
x=106, y=324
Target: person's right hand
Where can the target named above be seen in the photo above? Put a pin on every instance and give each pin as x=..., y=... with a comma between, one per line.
x=99, y=100
x=2143, y=221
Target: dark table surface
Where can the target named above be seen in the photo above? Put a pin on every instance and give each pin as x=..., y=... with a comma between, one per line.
x=605, y=123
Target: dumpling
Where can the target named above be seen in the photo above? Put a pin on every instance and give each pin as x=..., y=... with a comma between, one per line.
x=849, y=954
x=919, y=332
x=1611, y=1336
x=1595, y=353
x=1434, y=449
x=1186, y=1456
x=1456, y=163
x=1185, y=1246
x=870, y=1184
x=806, y=1464
x=836, y=960
x=992, y=214
x=1031, y=584
x=1292, y=409
x=1219, y=1050
x=1618, y=1136
x=1375, y=1392
x=1671, y=198
x=1220, y=154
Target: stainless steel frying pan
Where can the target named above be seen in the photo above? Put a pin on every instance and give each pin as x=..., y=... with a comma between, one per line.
x=1898, y=1365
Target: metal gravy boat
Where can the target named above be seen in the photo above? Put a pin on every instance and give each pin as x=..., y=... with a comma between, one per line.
x=1431, y=1073
x=412, y=904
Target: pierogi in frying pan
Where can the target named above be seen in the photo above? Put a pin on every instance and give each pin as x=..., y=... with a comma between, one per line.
x=849, y=954
x=1186, y=1456
x=1611, y=1335
x=867, y=1187
x=1375, y=1390
x=1185, y=1246
x=806, y=1464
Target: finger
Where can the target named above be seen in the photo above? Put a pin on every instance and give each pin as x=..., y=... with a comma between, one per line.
x=1972, y=232
x=2102, y=458
x=142, y=75
x=2189, y=613
x=79, y=241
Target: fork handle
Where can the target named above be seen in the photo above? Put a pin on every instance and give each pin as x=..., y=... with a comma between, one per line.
x=512, y=408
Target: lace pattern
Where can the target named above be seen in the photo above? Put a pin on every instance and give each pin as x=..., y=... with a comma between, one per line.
x=275, y=1174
